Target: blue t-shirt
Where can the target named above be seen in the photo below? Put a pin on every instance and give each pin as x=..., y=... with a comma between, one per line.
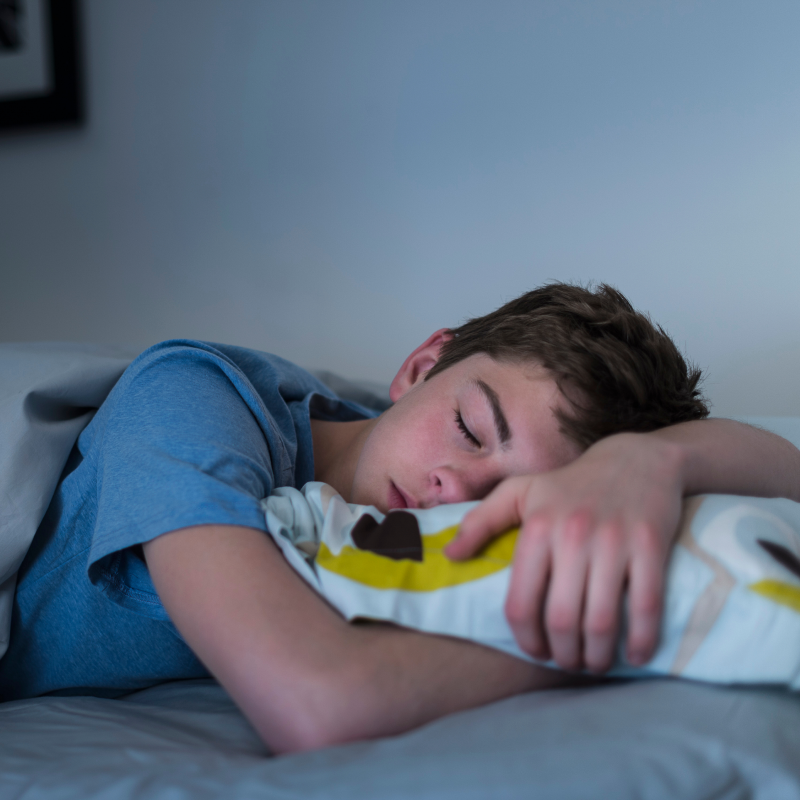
x=192, y=434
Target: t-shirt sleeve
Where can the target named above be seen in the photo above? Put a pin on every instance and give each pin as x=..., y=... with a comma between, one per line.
x=180, y=447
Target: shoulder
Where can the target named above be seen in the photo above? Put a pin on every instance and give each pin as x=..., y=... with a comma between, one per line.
x=191, y=414
x=259, y=377
x=246, y=370
x=187, y=397
x=183, y=390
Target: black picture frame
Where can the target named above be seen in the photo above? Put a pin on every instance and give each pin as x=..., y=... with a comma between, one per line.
x=62, y=103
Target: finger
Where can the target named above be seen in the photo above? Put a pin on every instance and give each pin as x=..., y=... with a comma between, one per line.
x=528, y=588
x=495, y=515
x=645, y=598
x=565, y=599
x=603, y=599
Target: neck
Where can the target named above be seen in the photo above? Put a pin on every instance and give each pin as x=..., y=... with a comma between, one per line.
x=337, y=448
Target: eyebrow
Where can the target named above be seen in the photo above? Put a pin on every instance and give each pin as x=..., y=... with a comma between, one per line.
x=500, y=421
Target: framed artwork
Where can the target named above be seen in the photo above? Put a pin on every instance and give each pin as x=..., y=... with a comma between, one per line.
x=39, y=63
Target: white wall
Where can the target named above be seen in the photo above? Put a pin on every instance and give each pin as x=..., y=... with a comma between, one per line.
x=334, y=180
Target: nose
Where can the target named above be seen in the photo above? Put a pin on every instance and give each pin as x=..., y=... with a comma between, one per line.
x=453, y=485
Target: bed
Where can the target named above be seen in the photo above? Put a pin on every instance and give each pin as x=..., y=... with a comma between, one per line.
x=647, y=739
x=654, y=738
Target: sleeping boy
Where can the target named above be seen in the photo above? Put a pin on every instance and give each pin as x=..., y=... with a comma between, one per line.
x=575, y=417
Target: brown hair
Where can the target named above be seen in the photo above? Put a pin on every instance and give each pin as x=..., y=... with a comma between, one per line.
x=619, y=371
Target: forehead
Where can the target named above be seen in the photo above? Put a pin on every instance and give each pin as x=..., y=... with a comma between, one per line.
x=518, y=377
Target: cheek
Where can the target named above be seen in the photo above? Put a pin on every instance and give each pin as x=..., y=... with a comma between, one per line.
x=405, y=445
x=379, y=453
x=425, y=440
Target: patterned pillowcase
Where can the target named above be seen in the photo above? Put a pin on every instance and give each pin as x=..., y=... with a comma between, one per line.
x=732, y=602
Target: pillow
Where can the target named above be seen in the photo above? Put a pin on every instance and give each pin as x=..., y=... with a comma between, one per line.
x=732, y=602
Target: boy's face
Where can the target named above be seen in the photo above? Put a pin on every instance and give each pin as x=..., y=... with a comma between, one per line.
x=456, y=436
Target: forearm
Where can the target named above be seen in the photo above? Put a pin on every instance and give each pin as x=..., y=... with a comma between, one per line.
x=302, y=675
x=727, y=457
x=367, y=681
x=409, y=678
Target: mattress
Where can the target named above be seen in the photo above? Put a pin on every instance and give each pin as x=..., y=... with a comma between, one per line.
x=653, y=739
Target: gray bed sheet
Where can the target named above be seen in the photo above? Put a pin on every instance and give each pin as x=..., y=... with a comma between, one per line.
x=647, y=740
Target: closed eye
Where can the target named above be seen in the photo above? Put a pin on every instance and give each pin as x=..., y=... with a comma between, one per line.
x=468, y=435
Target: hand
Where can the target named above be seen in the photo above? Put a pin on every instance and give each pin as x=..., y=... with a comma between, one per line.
x=589, y=531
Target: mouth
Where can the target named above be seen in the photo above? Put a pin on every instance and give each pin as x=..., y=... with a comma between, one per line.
x=399, y=499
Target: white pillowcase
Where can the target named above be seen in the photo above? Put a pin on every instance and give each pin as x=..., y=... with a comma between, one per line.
x=732, y=602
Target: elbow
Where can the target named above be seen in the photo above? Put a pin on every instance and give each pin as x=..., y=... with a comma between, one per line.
x=294, y=736
x=303, y=733
x=307, y=727
x=318, y=711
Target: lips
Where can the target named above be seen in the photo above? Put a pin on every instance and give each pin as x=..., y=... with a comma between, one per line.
x=400, y=499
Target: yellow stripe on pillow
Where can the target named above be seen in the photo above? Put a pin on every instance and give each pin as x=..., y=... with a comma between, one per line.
x=435, y=571
x=779, y=592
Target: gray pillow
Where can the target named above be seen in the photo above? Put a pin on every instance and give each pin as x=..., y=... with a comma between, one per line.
x=368, y=393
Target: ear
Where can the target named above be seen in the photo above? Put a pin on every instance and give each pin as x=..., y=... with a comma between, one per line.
x=416, y=366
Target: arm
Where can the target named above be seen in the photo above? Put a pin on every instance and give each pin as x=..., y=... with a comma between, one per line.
x=302, y=675
x=721, y=456
x=606, y=523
